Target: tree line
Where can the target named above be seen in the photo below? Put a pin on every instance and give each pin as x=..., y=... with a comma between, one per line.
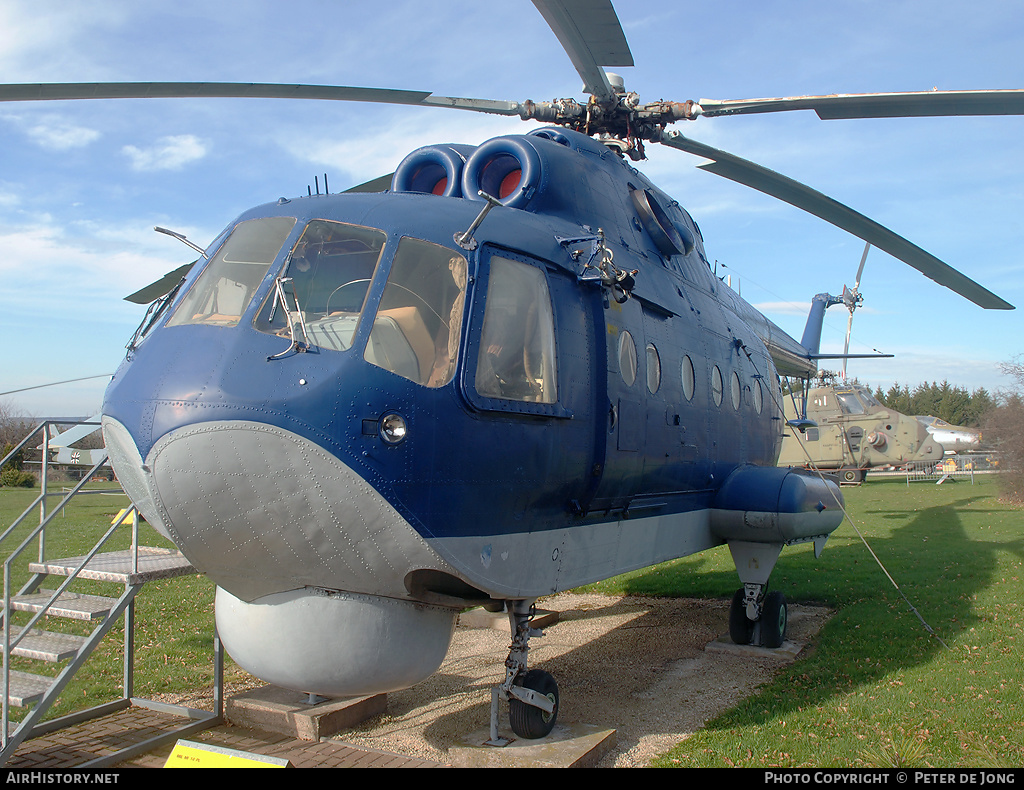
x=1000, y=416
x=955, y=405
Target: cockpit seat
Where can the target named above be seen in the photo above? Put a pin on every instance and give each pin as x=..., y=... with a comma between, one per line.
x=401, y=343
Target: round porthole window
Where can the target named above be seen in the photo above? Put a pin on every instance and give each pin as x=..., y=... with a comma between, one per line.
x=758, y=394
x=717, y=387
x=653, y=368
x=735, y=390
x=689, y=379
x=627, y=358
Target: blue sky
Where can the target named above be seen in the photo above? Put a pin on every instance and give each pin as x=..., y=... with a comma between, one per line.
x=83, y=183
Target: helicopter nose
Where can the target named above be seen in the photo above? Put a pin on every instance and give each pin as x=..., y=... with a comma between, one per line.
x=309, y=560
x=238, y=495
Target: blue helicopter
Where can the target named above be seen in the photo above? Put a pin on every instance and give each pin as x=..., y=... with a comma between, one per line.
x=503, y=371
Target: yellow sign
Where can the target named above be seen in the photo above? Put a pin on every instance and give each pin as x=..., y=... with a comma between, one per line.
x=189, y=754
x=120, y=513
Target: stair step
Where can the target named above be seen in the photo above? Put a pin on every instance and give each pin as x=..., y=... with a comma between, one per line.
x=45, y=645
x=74, y=606
x=116, y=566
x=27, y=688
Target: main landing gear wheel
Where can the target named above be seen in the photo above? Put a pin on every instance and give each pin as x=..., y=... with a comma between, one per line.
x=741, y=630
x=773, y=620
x=526, y=720
x=853, y=476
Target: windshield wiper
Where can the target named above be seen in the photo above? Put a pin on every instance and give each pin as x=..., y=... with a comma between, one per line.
x=293, y=314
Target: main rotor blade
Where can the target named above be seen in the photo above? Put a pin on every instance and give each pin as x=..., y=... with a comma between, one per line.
x=590, y=33
x=183, y=90
x=879, y=105
x=803, y=197
x=244, y=90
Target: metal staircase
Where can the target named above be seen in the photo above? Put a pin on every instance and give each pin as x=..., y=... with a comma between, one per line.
x=49, y=593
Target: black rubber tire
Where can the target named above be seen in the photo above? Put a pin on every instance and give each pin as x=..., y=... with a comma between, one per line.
x=741, y=630
x=528, y=721
x=774, y=619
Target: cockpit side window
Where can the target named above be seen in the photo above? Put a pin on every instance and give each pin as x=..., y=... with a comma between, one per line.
x=868, y=399
x=849, y=403
x=418, y=324
x=516, y=359
x=329, y=271
x=226, y=286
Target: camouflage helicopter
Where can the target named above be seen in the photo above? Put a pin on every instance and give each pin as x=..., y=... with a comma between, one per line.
x=846, y=429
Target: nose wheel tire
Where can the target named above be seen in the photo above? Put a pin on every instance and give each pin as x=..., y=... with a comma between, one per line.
x=528, y=721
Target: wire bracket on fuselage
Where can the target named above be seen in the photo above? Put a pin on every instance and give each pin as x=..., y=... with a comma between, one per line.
x=602, y=261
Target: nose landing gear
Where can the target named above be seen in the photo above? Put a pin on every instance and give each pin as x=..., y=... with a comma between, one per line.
x=527, y=720
x=532, y=695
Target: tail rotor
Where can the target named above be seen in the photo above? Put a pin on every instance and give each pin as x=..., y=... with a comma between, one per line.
x=852, y=298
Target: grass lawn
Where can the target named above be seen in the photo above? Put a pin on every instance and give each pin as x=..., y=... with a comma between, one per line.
x=877, y=688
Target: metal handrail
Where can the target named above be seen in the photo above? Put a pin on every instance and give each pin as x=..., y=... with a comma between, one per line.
x=24, y=441
x=124, y=607
x=38, y=532
x=9, y=643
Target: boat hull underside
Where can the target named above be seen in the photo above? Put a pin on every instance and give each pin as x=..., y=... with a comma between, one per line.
x=322, y=579
x=261, y=510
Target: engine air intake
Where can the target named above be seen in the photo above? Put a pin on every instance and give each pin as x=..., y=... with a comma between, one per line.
x=433, y=170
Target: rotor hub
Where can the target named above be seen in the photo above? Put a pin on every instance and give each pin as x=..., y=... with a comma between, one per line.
x=625, y=119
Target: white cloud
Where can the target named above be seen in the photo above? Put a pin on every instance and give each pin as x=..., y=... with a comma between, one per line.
x=62, y=136
x=8, y=199
x=48, y=42
x=167, y=153
x=914, y=366
x=66, y=266
x=368, y=155
x=53, y=132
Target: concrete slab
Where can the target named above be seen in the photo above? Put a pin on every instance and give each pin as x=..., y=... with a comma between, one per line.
x=568, y=746
x=787, y=652
x=289, y=712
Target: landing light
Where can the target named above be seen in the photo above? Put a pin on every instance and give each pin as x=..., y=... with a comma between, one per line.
x=393, y=428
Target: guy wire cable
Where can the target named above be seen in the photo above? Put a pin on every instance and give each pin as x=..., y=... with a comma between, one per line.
x=846, y=513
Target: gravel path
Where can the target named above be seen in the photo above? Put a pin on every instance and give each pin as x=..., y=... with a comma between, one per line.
x=653, y=669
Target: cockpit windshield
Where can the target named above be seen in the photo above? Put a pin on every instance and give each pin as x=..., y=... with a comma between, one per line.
x=328, y=272
x=849, y=402
x=322, y=290
x=868, y=399
x=226, y=286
